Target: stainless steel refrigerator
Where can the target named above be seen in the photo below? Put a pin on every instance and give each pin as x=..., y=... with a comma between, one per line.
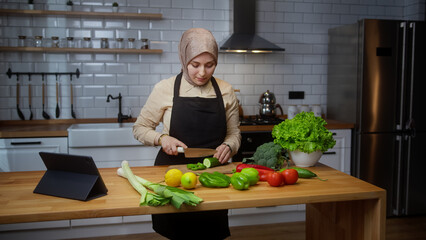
x=377, y=80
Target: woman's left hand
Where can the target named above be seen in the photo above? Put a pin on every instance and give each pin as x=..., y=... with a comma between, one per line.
x=223, y=153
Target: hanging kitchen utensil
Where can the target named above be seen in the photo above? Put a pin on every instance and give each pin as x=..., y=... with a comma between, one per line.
x=196, y=152
x=43, y=90
x=20, y=114
x=72, y=98
x=29, y=96
x=57, y=97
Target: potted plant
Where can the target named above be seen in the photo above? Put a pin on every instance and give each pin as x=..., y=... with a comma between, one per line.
x=115, y=7
x=305, y=137
x=69, y=5
x=31, y=4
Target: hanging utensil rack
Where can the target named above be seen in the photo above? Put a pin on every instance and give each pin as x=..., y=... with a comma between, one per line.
x=9, y=73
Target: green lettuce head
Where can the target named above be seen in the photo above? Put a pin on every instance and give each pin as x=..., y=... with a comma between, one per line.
x=304, y=132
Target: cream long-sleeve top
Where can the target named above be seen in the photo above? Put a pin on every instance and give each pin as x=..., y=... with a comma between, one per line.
x=158, y=108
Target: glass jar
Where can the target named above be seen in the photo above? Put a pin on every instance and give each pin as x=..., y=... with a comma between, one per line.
x=70, y=42
x=304, y=108
x=21, y=41
x=145, y=44
x=120, y=43
x=55, y=42
x=131, y=43
x=291, y=111
x=316, y=108
x=104, y=43
x=87, y=42
x=38, y=41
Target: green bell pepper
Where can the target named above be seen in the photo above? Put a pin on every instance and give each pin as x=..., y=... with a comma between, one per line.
x=214, y=180
x=239, y=181
x=196, y=166
x=252, y=175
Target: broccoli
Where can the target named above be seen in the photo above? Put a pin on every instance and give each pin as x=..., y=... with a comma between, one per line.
x=269, y=154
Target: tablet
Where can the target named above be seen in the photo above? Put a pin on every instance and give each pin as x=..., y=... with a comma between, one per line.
x=70, y=176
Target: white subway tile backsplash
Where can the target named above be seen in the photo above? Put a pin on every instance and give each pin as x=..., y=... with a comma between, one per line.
x=293, y=17
x=194, y=14
x=263, y=68
x=102, y=79
x=94, y=90
x=303, y=7
x=301, y=27
x=128, y=79
x=138, y=68
x=116, y=68
x=244, y=68
x=222, y=4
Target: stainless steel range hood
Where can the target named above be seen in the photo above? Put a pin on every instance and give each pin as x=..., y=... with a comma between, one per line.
x=244, y=38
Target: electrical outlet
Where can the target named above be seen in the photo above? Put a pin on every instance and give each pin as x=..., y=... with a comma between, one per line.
x=296, y=95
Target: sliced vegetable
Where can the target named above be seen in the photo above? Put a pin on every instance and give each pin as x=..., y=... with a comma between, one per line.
x=196, y=166
x=214, y=180
x=211, y=162
x=251, y=174
x=239, y=181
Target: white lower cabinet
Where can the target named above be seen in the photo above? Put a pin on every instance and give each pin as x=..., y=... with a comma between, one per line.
x=107, y=157
x=22, y=154
x=339, y=157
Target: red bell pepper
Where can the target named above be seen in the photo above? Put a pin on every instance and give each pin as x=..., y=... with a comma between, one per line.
x=257, y=167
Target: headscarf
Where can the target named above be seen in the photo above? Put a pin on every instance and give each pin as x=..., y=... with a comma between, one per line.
x=195, y=41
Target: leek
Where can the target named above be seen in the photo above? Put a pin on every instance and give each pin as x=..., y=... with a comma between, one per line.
x=175, y=196
x=147, y=198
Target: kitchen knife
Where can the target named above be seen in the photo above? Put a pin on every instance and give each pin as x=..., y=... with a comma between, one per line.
x=196, y=152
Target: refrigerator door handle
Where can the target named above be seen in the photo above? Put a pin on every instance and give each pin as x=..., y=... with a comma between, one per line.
x=403, y=25
x=397, y=206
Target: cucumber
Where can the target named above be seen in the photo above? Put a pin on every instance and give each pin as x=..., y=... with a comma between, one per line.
x=211, y=162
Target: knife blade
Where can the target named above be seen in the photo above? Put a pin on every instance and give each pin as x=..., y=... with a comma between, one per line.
x=196, y=152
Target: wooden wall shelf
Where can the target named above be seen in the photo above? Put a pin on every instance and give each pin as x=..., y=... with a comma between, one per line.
x=38, y=13
x=80, y=50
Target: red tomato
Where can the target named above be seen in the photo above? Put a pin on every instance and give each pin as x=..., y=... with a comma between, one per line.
x=290, y=176
x=275, y=179
x=263, y=175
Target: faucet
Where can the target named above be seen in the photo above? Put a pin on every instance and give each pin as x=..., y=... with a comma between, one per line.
x=121, y=117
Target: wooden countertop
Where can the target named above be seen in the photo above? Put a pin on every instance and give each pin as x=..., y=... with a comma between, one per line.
x=20, y=204
x=58, y=127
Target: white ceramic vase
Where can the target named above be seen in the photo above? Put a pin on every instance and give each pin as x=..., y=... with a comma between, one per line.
x=301, y=159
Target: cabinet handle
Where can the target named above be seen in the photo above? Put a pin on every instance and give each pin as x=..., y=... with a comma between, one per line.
x=25, y=143
x=329, y=153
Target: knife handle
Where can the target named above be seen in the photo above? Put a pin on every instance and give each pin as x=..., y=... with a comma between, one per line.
x=180, y=150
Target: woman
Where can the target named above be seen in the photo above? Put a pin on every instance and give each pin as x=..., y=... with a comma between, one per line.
x=197, y=110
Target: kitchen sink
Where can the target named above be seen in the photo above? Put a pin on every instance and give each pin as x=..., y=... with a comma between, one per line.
x=101, y=135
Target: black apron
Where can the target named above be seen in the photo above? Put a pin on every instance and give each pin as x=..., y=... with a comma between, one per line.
x=198, y=122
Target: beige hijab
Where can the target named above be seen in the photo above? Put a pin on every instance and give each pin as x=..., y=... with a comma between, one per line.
x=195, y=41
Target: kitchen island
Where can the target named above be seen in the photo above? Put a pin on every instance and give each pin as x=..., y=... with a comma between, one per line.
x=343, y=207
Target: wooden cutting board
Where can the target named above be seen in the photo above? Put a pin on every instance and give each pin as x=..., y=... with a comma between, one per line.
x=226, y=168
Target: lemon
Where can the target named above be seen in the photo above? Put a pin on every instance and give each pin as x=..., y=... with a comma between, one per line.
x=189, y=180
x=173, y=177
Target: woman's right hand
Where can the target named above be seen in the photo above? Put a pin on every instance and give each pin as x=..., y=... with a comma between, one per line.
x=170, y=144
